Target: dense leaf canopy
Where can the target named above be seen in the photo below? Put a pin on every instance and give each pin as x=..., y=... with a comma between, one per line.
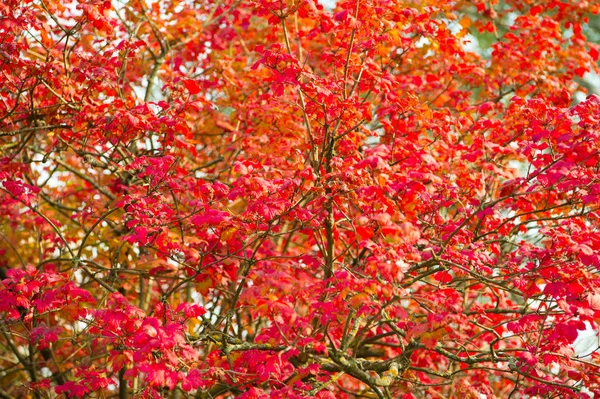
x=280, y=199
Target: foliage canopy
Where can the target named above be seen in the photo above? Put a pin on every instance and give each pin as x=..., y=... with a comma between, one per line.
x=273, y=199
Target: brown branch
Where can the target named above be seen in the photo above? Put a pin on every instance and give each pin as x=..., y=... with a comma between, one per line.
x=33, y=129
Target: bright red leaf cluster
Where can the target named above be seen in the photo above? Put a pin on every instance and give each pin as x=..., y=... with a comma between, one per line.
x=279, y=199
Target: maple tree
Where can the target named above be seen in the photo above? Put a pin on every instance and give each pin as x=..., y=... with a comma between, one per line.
x=275, y=198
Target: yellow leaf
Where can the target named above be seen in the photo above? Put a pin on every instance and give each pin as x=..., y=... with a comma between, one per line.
x=192, y=324
x=229, y=233
x=203, y=286
x=465, y=22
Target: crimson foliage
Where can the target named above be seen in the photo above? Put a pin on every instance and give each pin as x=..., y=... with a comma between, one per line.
x=274, y=199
